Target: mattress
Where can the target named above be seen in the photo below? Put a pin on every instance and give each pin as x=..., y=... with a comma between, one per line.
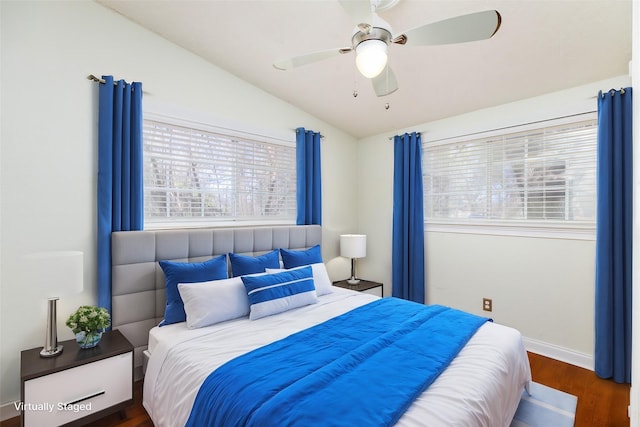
x=481, y=387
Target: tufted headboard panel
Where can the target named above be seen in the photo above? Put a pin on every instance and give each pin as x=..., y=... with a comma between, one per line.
x=138, y=288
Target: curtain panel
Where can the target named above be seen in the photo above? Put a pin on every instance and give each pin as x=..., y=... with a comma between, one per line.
x=308, y=178
x=120, y=186
x=614, y=237
x=408, y=267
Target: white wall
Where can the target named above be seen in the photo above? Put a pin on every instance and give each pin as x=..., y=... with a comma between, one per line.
x=542, y=286
x=48, y=146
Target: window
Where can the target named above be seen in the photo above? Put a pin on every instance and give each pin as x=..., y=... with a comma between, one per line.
x=544, y=176
x=197, y=174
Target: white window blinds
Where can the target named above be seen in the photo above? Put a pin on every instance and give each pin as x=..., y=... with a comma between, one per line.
x=543, y=175
x=201, y=175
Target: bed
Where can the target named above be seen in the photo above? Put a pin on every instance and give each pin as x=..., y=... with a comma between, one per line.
x=481, y=386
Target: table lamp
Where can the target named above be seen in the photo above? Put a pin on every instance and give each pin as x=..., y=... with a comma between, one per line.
x=56, y=273
x=353, y=246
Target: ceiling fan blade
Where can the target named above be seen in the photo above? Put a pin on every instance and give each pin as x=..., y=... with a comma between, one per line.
x=299, y=61
x=359, y=10
x=385, y=83
x=460, y=29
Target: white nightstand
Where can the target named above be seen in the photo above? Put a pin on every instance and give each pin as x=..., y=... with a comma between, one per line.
x=79, y=385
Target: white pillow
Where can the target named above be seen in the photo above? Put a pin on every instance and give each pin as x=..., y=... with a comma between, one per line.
x=278, y=292
x=208, y=303
x=320, y=277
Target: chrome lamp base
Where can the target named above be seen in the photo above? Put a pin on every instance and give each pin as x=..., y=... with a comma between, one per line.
x=51, y=353
x=353, y=280
x=51, y=347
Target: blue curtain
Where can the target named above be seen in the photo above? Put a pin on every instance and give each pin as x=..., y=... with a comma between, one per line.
x=120, y=190
x=408, y=218
x=613, y=236
x=308, y=178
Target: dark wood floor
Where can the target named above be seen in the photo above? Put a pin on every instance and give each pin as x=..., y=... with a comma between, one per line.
x=601, y=403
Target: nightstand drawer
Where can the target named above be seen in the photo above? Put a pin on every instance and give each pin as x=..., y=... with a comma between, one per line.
x=77, y=392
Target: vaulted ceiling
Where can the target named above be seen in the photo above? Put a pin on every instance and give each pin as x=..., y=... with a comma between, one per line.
x=542, y=46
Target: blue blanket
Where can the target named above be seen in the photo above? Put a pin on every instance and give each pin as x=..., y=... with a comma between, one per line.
x=364, y=367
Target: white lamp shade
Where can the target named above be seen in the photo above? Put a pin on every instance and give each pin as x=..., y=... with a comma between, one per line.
x=353, y=245
x=371, y=57
x=55, y=273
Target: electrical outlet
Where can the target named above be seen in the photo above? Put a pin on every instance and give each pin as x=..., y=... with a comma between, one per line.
x=487, y=304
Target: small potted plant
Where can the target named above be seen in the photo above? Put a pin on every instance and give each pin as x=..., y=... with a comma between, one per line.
x=88, y=323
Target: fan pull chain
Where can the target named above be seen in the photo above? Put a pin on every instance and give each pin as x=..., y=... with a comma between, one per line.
x=386, y=105
x=355, y=84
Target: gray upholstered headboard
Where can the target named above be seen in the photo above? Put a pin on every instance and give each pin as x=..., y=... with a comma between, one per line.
x=138, y=289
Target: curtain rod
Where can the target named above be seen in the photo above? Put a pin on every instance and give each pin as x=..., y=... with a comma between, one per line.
x=509, y=127
x=295, y=130
x=391, y=137
x=97, y=80
x=102, y=81
x=612, y=92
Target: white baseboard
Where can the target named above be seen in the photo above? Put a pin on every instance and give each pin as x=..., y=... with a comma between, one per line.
x=8, y=410
x=562, y=354
x=634, y=408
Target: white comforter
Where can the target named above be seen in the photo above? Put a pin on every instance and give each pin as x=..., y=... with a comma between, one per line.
x=481, y=387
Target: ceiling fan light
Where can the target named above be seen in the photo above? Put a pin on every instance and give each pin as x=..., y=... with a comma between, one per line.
x=371, y=57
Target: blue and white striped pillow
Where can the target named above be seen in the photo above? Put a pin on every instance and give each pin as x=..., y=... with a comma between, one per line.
x=274, y=293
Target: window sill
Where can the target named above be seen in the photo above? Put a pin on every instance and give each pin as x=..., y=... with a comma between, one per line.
x=543, y=231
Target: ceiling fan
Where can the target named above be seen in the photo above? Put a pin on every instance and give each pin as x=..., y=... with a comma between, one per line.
x=370, y=41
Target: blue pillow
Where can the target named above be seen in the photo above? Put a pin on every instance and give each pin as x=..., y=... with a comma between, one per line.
x=243, y=264
x=292, y=259
x=274, y=293
x=187, y=272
